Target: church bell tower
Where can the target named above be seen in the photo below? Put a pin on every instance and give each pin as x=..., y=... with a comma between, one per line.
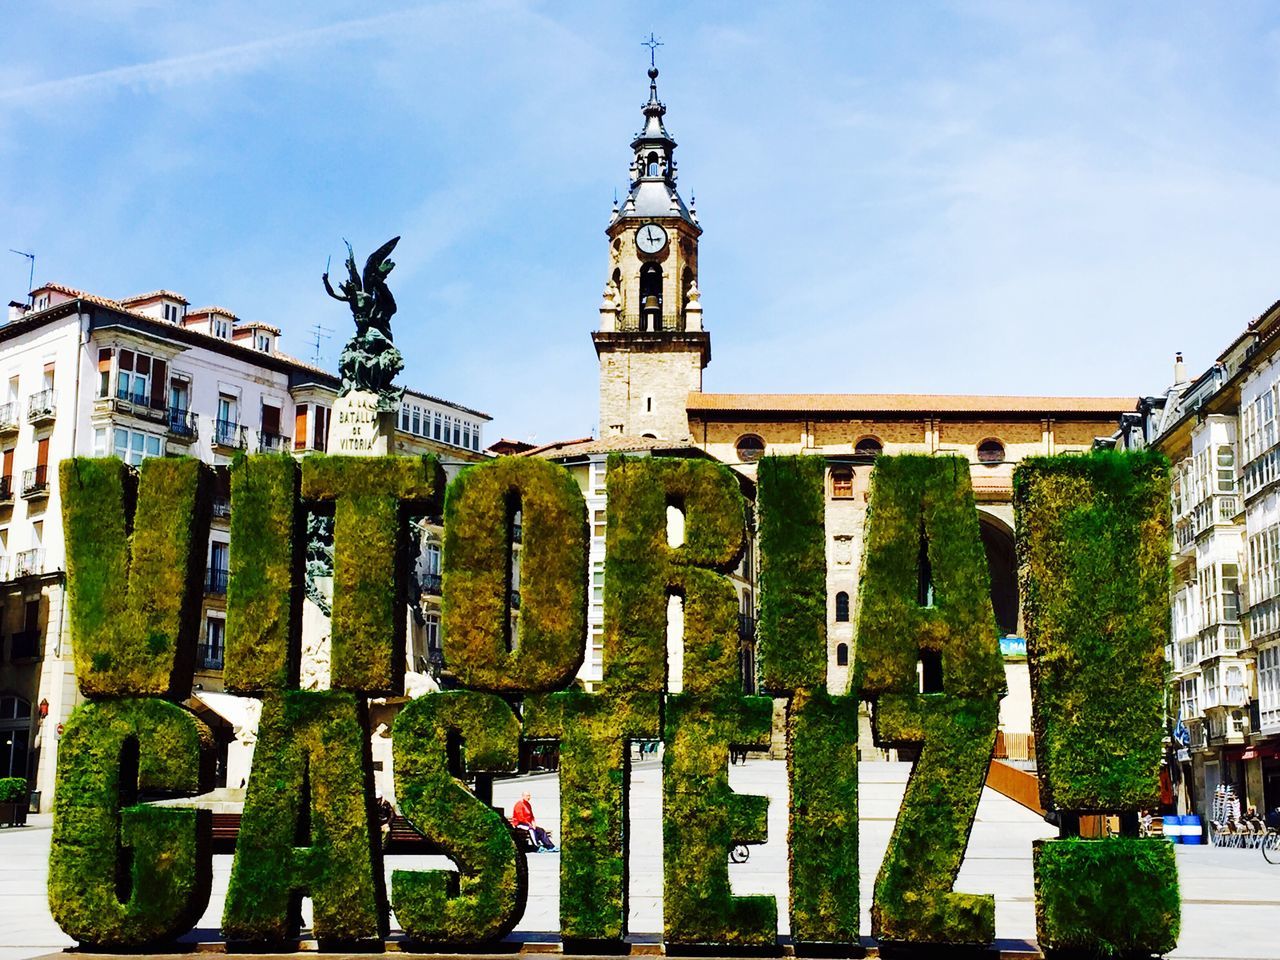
x=651, y=344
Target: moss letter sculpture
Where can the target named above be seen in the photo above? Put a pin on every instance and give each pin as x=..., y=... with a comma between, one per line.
x=485, y=898
x=926, y=605
x=135, y=578
x=481, y=508
x=373, y=496
x=308, y=826
x=124, y=875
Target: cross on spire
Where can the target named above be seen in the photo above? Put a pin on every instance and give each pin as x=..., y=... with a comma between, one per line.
x=653, y=43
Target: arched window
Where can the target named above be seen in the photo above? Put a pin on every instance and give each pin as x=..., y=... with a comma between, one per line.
x=15, y=736
x=991, y=451
x=842, y=654
x=750, y=448
x=651, y=297
x=841, y=483
x=869, y=447
x=653, y=166
x=842, y=607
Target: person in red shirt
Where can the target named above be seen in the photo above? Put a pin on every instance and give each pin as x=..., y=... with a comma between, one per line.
x=522, y=818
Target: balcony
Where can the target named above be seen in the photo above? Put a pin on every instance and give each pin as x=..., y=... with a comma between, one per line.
x=514, y=597
x=746, y=627
x=1215, y=509
x=28, y=563
x=1220, y=640
x=25, y=645
x=209, y=656
x=140, y=405
x=228, y=433
x=273, y=443
x=222, y=508
x=215, y=582
x=9, y=418
x=35, y=483
x=182, y=425
x=430, y=583
x=6, y=491
x=42, y=407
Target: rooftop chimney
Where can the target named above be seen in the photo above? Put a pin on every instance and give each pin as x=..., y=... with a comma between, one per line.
x=17, y=310
x=1179, y=369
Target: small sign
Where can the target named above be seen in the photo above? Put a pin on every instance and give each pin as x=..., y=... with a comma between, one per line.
x=1013, y=646
x=58, y=730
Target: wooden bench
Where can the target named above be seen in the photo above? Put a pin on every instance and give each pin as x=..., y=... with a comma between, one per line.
x=403, y=839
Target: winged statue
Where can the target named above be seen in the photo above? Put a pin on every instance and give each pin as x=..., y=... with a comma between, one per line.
x=370, y=360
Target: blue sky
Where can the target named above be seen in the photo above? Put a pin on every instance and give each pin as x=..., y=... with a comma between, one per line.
x=925, y=197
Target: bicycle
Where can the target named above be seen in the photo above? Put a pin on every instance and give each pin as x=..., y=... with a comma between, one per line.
x=1271, y=847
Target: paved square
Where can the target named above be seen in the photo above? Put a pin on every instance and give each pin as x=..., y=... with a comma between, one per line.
x=1231, y=898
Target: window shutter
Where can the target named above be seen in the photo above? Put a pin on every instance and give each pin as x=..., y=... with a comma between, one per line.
x=159, y=384
x=104, y=360
x=270, y=419
x=126, y=360
x=42, y=452
x=8, y=464
x=300, y=427
x=321, y=428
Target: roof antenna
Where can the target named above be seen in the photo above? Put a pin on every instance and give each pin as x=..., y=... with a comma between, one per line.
x=318, y=332
x=31, y=277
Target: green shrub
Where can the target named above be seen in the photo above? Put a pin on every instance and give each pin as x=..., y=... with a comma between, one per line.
x=480, y=507
x=13, y=790
x=485, y=898
x=135, y=582
x=642, y=571
x=372, y=497
x=308, y=825
x=122, y=874
x=914, y=902
x=594, y=732
x=1093, y=545
x=822, y=846
x=702, y=819
x=793, y=573
x=1107, y=898
x=921, y=503
x=922, y=511
x=264, y=599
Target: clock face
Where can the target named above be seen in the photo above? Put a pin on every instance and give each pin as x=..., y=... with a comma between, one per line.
x=651, y=238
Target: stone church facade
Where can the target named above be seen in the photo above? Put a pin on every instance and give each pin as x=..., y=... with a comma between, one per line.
x=653, y=346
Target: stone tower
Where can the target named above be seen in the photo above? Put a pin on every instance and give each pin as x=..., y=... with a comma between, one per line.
x=651, y=344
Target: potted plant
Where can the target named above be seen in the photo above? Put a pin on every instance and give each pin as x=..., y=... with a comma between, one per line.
x=13, y=801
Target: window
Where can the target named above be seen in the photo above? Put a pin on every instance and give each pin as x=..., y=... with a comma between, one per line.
x=133, y=446
x=171, y=312
x=104, y=372
x=264, y=342
x=466, y=435
x=750, y=448
x=431, y=558
x=448, y=428
x=991, y=452
x=648, y=404
x=1226, y=470
x=1268, y=667
x=404, y=418
x=598, y=476
x=842, y=654
x=221, y=328
x=457, y=431
x=415, y=420
x=650, y=297
x=437, y=427
x=842, y=483
x=215, y=632
x=320, y=432
x=598, y=524
x=179, y=396
x=431, y=630
x=300, y=427
x=15, y=736
x=597, y=584
x=1190, y=698
x=842, y=607
x=868, y=447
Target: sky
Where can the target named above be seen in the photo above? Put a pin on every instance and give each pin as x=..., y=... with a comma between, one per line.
x=981, y=197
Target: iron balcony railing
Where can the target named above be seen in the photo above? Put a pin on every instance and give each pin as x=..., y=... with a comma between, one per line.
x=209, y=656
x=42, y=405
x=28, y=563
x=746, y=626
x=215, y=581
x=222, y=507
x=35, y=481
x=182, y=424
x=272, y=443
x=228, y=433
x=24, y=645
x=431, y=583
x=9, y=416
x=6, y=489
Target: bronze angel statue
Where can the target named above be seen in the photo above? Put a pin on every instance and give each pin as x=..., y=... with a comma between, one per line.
x=370, y=361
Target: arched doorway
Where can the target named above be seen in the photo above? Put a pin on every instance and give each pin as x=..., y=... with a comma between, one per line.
x=1002, y=564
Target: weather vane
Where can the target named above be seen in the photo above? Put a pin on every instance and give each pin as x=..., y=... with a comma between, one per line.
x=653, y=43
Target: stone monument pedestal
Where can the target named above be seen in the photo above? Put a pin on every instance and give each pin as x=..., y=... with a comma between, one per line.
x=358, y=428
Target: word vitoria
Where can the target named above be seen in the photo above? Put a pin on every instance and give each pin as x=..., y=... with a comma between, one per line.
x=1093, y=549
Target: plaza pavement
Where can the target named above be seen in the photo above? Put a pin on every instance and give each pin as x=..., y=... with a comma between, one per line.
x=1231, y=898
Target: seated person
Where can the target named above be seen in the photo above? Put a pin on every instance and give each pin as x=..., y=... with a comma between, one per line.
x=522, y=818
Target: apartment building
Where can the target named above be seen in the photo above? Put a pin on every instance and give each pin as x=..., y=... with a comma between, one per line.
x=86, y=375
x=1220, y=434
